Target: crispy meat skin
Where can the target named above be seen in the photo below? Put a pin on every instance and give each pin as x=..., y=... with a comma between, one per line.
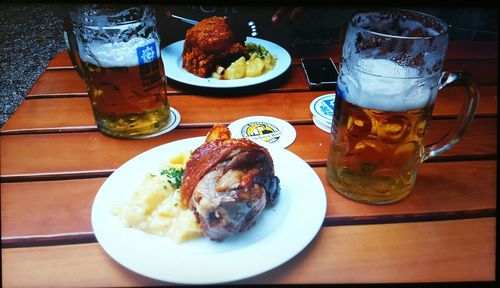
x=207, y=156
x=227, y=183
x=209, y=43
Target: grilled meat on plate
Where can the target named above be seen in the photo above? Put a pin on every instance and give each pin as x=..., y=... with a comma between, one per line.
x=227, y=183
x=209, y=43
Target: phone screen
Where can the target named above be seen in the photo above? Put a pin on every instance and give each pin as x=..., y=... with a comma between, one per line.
x=320, y=72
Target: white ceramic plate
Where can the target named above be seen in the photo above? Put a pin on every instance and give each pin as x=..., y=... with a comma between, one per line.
x=172, y=60
x=280, y=233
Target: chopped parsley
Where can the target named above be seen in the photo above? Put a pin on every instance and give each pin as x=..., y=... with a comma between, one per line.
x=174, y=176
x=258, y=49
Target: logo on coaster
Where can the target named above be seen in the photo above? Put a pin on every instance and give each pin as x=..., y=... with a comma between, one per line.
x=328, y=110
x=262, y=131
x=323, y=107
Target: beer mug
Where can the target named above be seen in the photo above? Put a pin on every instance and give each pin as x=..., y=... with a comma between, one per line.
x=116, y=50
x=390, y=73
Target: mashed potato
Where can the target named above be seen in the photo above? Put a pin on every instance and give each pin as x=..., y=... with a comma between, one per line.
x=260, y=62
x=155, y=206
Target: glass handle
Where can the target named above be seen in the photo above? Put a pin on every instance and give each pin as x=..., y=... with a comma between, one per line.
x=464, y=118
x=69, y=37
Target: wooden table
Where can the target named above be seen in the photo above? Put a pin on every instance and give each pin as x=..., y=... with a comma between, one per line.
x=53, y=161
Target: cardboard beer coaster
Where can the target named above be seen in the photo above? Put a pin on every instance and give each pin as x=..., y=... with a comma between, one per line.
x=264, y=130
x=322, y=107
x=322, y=121
x=175, y=119
x=321, y=125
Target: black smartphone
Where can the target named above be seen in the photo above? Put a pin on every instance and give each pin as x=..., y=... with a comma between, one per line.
x=321, y=73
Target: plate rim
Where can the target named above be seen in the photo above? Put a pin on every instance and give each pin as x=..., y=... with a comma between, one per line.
x=283, y=63
x=272, y=262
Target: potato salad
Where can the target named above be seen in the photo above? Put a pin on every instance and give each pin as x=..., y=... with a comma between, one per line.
x=260, y=62
x=155, y=206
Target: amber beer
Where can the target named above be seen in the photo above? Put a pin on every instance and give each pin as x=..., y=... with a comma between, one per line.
x=390, y=73
x=377, y=135
x=116, y=50
x=374, y=154
x=128, y=100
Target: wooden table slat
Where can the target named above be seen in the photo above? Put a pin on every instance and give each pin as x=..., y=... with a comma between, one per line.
x=336, y=255
x=70, y=114
x=92, y=152
x=61, y=60
x=455, y=195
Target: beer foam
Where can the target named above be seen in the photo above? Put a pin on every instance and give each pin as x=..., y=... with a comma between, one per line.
x=121, y=54
x=403, y=92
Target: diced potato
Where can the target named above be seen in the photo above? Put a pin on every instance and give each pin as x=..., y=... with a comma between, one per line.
x=217, y=74
x=270, y=62
x=188, y=227
x=157, y=225
x=186, y=235
x=255, y=67
x=260, y=62
x=219, y=70
x=236, y=70
x=180, y=159
x=168, y=209
x=153, y=200
x=155, y=207
x=132, y=214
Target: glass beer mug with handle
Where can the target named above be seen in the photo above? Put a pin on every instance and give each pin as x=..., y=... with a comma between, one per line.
x=116, y=50
x=390, y=73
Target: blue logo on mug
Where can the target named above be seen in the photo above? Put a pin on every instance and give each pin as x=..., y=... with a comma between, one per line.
x=147, y=53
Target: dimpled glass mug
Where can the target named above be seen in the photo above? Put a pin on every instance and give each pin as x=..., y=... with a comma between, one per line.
x=116, y=50
x=390, y=73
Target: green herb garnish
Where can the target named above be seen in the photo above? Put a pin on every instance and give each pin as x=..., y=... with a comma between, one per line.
x=257, y=49
x=174, y=176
